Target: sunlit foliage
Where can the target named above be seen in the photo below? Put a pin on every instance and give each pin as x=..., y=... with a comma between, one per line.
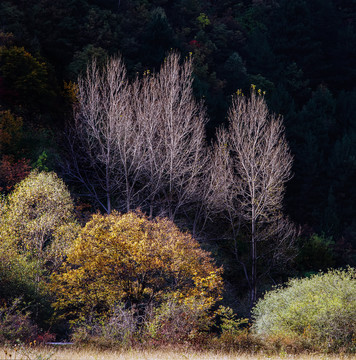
x=132, y=259
x=38, y=218
x=320, y=311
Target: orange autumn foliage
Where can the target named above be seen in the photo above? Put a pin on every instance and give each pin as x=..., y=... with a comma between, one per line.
x=12, y=171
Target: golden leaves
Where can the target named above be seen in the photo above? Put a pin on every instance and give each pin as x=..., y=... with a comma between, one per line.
x=39, y=217
x=129, y=257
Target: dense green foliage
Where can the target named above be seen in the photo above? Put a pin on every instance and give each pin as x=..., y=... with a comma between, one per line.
x=319, y=311
x=17, y=275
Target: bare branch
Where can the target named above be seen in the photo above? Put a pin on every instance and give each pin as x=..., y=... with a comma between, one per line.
x=143, y=144
x=250, y=167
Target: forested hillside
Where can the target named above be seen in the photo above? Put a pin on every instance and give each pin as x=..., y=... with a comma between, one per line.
x=294, y=60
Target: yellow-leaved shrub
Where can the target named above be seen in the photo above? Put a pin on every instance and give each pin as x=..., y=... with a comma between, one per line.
x=37, y=217
x=130, y=259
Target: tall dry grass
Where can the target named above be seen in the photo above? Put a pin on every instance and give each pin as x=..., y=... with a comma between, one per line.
x=50, y=353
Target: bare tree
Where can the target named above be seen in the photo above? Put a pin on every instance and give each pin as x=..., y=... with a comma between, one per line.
x=221, y=197
x=143, y=144
x=95, y=153
x=174, y=137
x=254, y=157
x=105, y=141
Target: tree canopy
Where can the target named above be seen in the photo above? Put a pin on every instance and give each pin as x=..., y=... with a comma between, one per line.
x=128, y=258
x=38, y=217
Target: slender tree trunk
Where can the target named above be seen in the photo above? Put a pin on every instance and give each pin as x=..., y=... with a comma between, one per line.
x=128, y=194
x=253, y=289
x=108, y=200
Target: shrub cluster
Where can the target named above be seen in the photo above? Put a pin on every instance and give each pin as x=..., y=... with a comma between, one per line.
x=15, y=324
x=319, y=312
x=170, y=323
x=128, y=280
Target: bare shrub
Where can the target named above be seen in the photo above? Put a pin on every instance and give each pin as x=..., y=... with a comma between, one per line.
x=119, y=329
x=15, y=324
x=177, y=323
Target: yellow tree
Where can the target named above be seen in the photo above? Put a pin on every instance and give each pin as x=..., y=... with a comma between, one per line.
x=134, y=260
x=38, y=218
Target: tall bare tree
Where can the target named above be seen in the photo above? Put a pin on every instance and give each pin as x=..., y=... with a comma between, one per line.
x=176, y=152
x=254, y=157
x=105, y=140
x=95, y=130
x=221, y=196
x=143, y=144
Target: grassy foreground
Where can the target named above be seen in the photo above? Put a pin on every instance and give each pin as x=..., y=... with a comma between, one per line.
x=23, y=353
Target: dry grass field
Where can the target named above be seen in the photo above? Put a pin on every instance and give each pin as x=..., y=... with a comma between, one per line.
x=87, y=354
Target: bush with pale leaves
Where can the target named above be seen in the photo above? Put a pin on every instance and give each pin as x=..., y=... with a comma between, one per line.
x=319, y=311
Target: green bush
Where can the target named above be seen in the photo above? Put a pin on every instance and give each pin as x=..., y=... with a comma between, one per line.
x=17, y=274
x=37, y=225
x=234, y=332
x=38, y=218
x=319, y=311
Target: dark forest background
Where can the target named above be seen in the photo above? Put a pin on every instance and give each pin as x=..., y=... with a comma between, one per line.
x=302, y=53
